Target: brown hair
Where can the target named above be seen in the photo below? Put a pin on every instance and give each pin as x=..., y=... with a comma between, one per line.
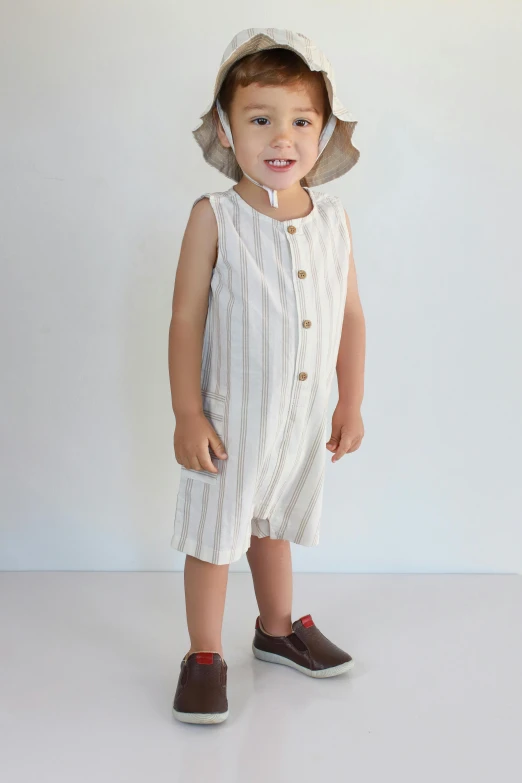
x=271, y=67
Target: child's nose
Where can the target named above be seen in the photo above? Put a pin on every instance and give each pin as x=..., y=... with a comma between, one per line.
x=282, y=140
x=283, y=133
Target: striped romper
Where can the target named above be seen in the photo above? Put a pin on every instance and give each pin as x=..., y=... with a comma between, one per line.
x=273, y=328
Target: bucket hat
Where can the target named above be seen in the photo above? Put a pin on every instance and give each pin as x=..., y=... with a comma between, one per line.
x=336, y=155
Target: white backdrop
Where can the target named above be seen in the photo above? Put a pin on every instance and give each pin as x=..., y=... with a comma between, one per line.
x=98, y=174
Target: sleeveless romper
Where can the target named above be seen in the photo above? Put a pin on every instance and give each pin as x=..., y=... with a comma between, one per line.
x=273, y=328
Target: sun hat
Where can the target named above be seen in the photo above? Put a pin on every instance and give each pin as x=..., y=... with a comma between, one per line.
x=336, y=155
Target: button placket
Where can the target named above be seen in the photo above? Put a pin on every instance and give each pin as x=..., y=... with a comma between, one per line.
x=301, y=274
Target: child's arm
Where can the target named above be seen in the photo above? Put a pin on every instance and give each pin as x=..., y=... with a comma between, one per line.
x=347, y=424
x=189, y=308
x=189, y=313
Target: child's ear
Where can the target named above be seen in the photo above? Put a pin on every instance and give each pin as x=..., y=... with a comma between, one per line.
x=219, y=129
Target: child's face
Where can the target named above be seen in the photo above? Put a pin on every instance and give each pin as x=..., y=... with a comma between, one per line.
x=285, y=126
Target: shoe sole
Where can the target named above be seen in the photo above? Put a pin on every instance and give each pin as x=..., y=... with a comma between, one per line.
x=200, y=717
x=319, y=673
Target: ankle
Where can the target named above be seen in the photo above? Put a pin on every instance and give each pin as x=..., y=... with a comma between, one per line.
x=280, y=629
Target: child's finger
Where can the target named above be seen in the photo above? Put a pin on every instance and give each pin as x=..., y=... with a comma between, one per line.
x=193, y=463
x=217, y=446
x=201, y=461
x=342, y=448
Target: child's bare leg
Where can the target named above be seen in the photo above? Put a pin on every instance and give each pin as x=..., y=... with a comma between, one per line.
x=205, y=593
x=270, y=561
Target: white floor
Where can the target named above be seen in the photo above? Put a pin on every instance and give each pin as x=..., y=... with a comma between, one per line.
x=89, y=664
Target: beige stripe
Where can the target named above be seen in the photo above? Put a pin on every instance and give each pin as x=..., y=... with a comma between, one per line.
x=284, y=344
x=201, y=527
x=327, y=229
x=222, y=244
x=242, y=442
x=305, y=472
x=342, y=289
x=186, y=513
x=308, y=513
x=265, y=344
x=216, y=321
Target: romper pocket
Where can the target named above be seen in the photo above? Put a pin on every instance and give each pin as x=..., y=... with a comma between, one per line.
x=214, y=410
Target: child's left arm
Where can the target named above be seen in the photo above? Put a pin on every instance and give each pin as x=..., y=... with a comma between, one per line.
x=347, y=423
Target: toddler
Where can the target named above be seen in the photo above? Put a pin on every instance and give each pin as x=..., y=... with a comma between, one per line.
x=265, y=311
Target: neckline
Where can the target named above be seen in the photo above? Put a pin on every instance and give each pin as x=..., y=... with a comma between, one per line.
x=290, y=221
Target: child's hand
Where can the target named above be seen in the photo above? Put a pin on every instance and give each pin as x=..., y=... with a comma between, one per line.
x=192, y=437
x=347, y=431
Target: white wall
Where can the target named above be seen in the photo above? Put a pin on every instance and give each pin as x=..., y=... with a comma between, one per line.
x=98, y=174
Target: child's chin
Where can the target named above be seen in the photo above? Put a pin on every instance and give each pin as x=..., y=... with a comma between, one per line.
x=276, y=180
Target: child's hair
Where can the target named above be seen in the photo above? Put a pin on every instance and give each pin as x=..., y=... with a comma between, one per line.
x=271, y=67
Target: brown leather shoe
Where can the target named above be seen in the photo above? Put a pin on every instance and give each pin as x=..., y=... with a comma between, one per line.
x=201, y=695
x=306, y=649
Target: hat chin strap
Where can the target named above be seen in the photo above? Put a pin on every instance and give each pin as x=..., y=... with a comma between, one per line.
x=324, y=138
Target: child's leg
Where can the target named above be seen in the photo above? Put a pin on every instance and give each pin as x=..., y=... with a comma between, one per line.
x=205, y=593
x=270, y=561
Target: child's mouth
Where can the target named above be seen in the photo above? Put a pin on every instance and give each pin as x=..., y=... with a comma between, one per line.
x=280, y=164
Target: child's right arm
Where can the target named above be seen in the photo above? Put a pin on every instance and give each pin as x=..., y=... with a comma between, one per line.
x=189, y=312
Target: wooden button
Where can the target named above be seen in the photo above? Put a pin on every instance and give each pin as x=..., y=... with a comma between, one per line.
x=291, y=229
x=301, y=274
x=303, y=376
x=307, y=324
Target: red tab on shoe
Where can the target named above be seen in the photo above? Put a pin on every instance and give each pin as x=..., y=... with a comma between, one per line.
x=307, y=621
x=257, y=623
x=205, y=657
